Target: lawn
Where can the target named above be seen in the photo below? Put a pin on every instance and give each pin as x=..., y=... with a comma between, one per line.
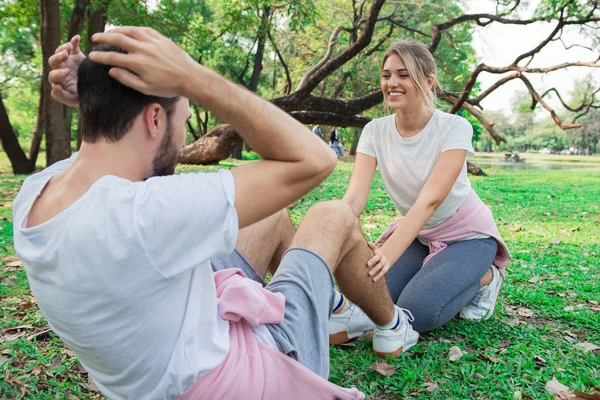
x=547, y=312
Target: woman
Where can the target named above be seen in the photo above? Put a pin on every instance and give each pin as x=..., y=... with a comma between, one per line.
x=444, y=256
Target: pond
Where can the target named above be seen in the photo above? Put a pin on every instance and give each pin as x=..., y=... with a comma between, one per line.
x=488, y=164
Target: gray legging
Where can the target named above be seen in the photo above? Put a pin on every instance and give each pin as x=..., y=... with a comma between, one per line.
x=437, y=291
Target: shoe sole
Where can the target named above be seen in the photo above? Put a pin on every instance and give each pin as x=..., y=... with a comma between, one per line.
x=395, y=354
x=343, y=337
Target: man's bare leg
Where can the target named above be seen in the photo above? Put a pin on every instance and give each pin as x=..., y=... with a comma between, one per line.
x=331, y=230
x=263, y=243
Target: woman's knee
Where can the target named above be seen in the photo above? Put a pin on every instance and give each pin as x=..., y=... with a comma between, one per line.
x=426, y=315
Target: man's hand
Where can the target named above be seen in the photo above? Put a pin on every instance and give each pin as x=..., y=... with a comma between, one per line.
x=378, y=264
x=63, y=76
x=154, y=64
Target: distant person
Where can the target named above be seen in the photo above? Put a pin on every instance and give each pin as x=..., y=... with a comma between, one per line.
x=445, y=255
x=334, y=142
x=317, y=130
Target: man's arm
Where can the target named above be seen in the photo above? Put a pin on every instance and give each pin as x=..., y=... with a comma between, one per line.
x=294, y=160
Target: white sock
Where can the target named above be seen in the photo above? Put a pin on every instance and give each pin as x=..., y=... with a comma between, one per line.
x=339, y=302
x=394, y=323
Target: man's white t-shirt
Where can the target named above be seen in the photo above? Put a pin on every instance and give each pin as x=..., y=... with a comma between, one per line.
x=406, y=163
x=123, y=277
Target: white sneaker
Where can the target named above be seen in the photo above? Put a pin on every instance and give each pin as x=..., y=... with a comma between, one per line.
x=482, y=305
x=394, y=342
x=349, y=323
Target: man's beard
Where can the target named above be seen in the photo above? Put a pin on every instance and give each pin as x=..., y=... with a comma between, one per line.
x=167, y=156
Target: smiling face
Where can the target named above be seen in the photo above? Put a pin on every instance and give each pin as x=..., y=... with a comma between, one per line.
x=399, y=89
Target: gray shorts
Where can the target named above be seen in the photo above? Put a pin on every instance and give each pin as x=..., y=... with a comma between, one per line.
x=307, y=284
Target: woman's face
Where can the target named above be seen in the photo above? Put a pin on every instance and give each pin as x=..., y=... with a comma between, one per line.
x=399, y=90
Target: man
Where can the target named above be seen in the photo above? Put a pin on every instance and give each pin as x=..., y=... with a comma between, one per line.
x=132, y=265
x=318, y=131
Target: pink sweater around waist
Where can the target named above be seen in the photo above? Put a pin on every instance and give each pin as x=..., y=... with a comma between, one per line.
x=472, y=218
x=251, y=369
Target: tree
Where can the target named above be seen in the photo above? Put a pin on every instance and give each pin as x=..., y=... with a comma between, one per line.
x=58, y=140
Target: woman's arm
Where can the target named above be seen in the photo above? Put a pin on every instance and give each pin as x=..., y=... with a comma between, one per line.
x=433, y=193
x=360, y=182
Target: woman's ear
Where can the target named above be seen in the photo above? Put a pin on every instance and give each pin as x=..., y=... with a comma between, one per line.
x=430, y=82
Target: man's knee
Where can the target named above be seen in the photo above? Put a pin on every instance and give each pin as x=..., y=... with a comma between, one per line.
x=334, y=213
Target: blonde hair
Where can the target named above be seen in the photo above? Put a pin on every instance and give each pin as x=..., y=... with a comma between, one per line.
x=420, y=65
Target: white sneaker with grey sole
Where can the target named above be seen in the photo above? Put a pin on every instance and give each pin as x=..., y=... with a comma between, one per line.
x=482, y=305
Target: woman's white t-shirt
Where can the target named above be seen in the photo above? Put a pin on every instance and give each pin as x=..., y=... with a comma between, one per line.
x=406, y=163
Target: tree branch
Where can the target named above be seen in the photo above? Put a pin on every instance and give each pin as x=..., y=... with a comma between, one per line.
x=539, y=99
x=288, y=86
x=332, y=65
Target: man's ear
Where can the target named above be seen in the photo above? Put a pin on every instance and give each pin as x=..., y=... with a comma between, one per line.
x=152, y=119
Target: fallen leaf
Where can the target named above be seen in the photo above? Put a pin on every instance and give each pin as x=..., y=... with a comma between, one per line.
x=505, y=343
x=490, y=359
x=552, y=277
x=14, y=333
x=518, y=228
x=430, y=386
x=370, y=226
x=91, y=385
x=540, y=361
x=39, y=335
x=3, y=359
x=562, y=294
x=10, y=259
x=594, y=302
x=81, y=369
x=555, y=241
x=534, y=279
x=455, y=354
x=8, y=282
x=524, y=312
x=586, y=396
x=573, y=295
x=513, y=321
x=383, y=368
x=574, y=229
x=347, y=344
x=555, y=386
x=56, y=363
x=569, y=308
x=517, y=395
x=15, y=264
x=36, y=370
x=71, y=396
x=587, y=346
x=478, y=376
x=571, y=334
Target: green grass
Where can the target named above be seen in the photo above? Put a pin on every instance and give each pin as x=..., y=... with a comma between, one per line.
x=551, y=223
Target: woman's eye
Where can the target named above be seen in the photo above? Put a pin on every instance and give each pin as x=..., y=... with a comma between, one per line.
x=403, y=76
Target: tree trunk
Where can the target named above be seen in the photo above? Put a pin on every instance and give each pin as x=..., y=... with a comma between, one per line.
x=475, y=170
x=355, y=139
x=58, y=145
x=10, y=143
x=36, y=141
x=212, y=147
x=75, y=26
x=96, y=22
x=258, y=66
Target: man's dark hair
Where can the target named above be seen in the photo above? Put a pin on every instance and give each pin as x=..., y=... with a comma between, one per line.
x=106, y=107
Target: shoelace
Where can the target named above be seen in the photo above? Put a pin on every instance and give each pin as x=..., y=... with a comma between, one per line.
x=408, y=314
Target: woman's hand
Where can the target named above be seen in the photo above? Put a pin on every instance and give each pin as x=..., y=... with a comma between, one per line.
x=378, y=264
x=63, y=76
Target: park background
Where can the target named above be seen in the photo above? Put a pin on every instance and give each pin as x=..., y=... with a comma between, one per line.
x=524, y=73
